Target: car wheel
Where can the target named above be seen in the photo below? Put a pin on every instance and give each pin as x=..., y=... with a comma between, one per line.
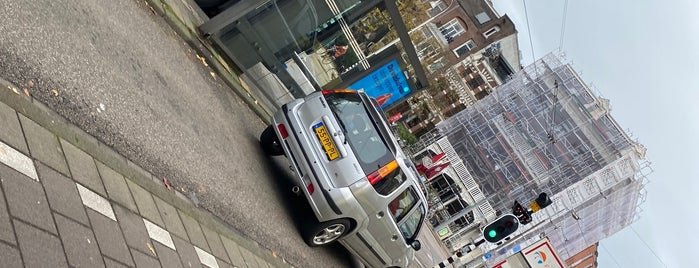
x=327, y=232
x=270, y=142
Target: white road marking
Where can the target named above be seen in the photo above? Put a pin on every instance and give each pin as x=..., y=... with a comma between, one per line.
x=18, y=161
x=206, y=258
x=159, y=234
x=96, y=202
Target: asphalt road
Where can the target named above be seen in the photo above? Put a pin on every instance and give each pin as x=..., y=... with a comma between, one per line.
x=120, y=73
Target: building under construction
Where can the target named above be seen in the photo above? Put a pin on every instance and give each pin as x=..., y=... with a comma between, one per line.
x=545, y=131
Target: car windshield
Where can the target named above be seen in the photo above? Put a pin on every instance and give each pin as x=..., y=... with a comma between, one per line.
x=412, y=222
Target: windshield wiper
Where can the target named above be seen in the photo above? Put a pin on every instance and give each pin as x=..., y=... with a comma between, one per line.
x=342, y=126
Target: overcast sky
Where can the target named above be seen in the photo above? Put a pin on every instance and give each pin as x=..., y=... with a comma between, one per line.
x=644, y=56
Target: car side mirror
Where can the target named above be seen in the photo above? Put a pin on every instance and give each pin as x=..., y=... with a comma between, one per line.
x=416, y=245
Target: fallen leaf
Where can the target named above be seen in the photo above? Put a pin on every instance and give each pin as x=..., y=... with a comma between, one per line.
x=152, y=11
x=201, y=188
x=274, y=254
x=30, y=83
x=212, y=74
x=182, y=189
x=14, y=89
x=26, y=91
x=167, y=184
x=150, y=247
x=55, y=92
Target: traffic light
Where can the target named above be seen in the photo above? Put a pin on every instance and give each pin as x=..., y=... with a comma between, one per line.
x=523, y=214
x=540, y=202
x=543, y=200
x=501, y=228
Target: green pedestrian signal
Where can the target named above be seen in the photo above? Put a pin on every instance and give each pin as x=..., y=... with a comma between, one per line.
x=500, y=228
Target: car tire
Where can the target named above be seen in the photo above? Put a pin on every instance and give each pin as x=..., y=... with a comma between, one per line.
x=325, y=233
x=270, y=142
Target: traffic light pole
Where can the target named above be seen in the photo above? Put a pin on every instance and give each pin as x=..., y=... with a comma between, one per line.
x=464, y=250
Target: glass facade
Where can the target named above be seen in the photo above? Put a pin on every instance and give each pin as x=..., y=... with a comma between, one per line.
x=289, y=48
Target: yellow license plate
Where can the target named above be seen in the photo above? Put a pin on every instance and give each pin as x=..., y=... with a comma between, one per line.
x=326, y=140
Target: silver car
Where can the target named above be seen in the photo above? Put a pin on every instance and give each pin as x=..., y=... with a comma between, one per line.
x=362, y=188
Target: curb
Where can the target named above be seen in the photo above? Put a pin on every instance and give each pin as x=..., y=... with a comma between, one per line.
x=33, y=109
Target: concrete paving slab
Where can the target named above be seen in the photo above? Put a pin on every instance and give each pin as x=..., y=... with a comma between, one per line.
x=79, y=242
x=116, y=187
x=144, y=261
x=206, y=258
x=215, y=244
x=168, y=257
x=233, y=252
x=11, y=131
x=43, y=145
x=134, y=229
x=39, y=248
x=26, y=199
x=159, y=234
x=10, y=256
x=83, y=168
x=194, y=232
x=248, y=257
x=62, y=194
x=223, y=264
x=7, y=232
x=113, y=264
x=109, y=237
x=261, y=262
x=96, y=202
x=188, y=255
x=172, y=220
x=144, y=202
x=17, y=160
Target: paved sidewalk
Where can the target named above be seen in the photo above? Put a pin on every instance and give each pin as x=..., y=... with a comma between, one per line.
x=67, y=200
x=185, y=16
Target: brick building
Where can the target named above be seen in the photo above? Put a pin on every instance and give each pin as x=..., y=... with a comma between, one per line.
x=586, y=258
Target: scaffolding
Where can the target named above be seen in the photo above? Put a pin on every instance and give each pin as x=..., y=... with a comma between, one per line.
x=541, y=131
x=545, y=131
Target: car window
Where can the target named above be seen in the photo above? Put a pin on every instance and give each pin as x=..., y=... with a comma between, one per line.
x=360, y=131
x=402, y=204
x=412, y=223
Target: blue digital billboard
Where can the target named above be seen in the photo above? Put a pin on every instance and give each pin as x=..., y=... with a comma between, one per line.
x=386, y=84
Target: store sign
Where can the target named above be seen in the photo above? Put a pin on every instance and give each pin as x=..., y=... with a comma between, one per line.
x=386, y=84
x=444, y=232
x=542, y=255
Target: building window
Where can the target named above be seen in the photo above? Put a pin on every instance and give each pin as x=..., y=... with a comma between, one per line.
x=436, y=65
x=475, y=82
x=466, y=72
x=465, y=48
x=482, y=17
x=426, y=33
x=437, y=8
x=452, y=29
x=426, y=50
x=491, y=32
